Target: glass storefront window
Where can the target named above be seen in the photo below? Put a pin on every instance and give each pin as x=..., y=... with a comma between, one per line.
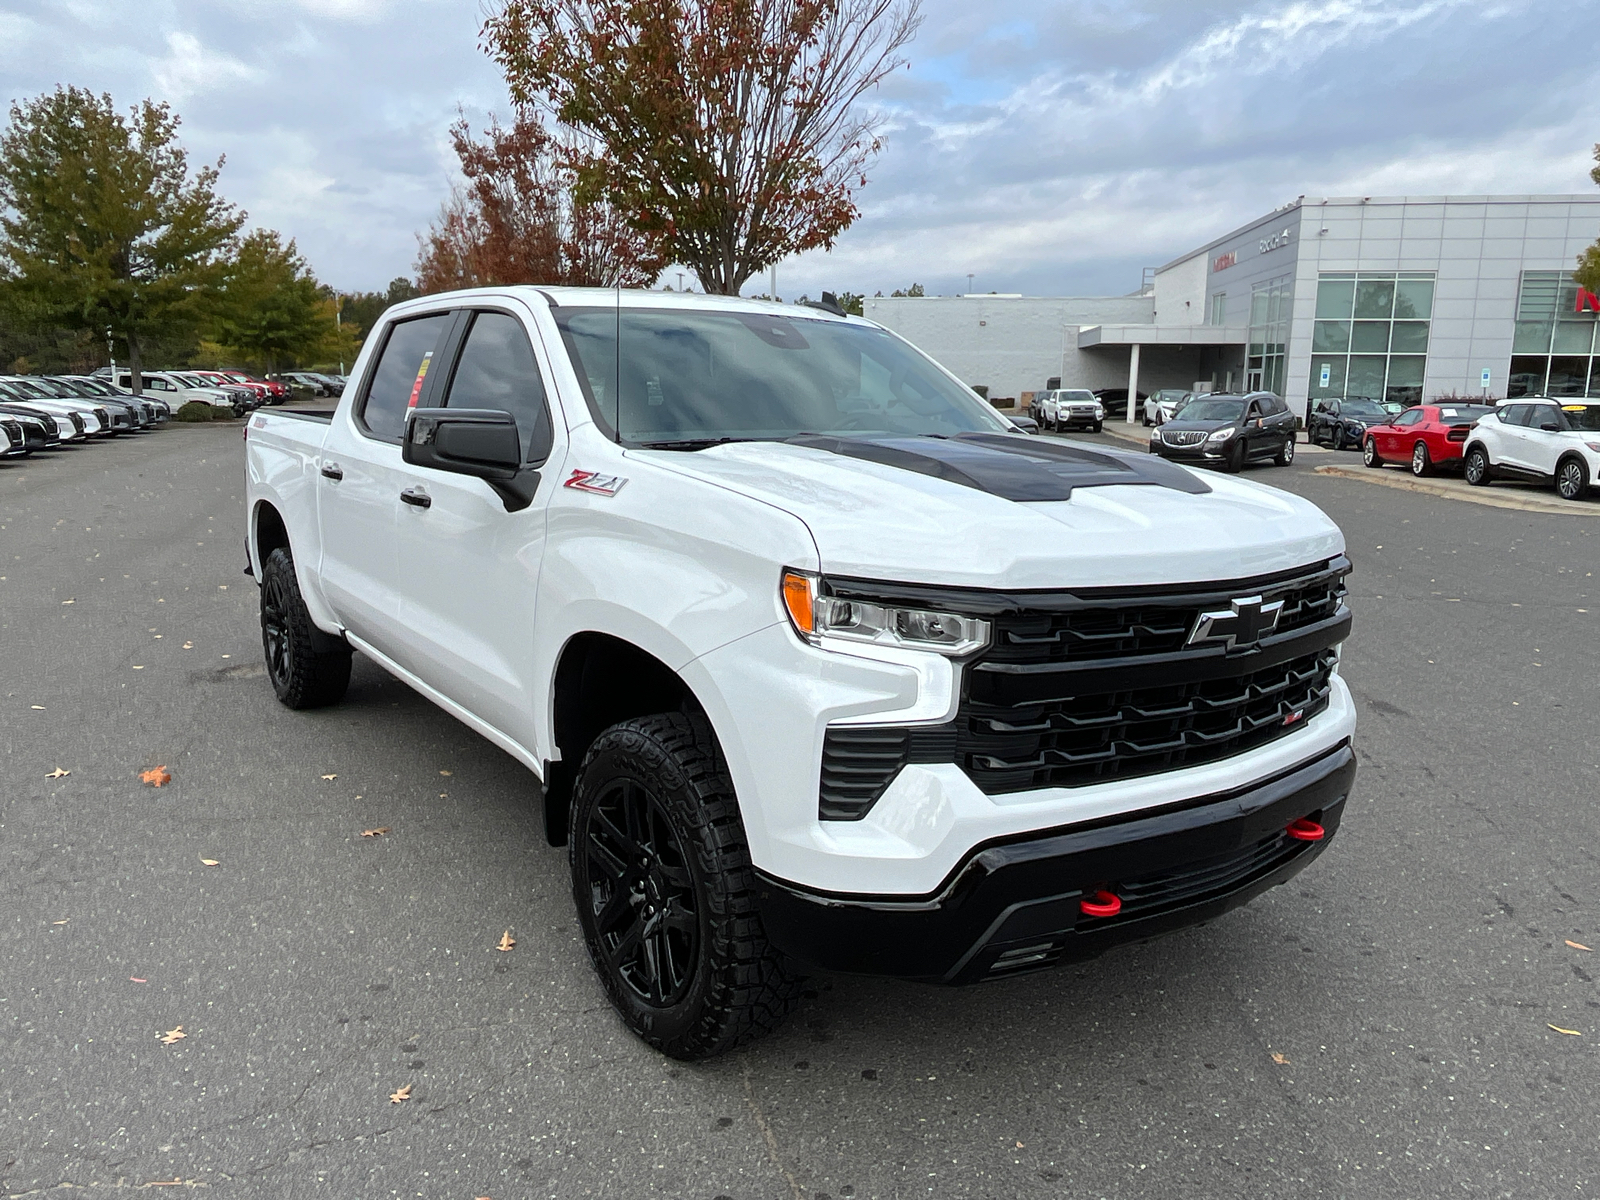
x=1370, y=337
x=1336, y=297
x=1413, y=299
x=1410, y=337
x=1569, y=375
x=1573, y=337
x=1406, y=372
x=1330, y=337
x=1375, y=298
x=1555, y=347
x=1270, y=305
x=1366, y=376
x=1335, y=384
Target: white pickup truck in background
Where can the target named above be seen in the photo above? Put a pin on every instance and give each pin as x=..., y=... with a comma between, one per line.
x=821, y=664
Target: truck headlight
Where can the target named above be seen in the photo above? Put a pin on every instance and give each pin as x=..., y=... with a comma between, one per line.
x=1222, y=435
x=816, y=616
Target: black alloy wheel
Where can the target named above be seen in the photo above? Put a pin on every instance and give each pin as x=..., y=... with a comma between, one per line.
x=1421, y=464
x=308, y=668
x=641, y=893
x=665, y=891
x=1572, y=478
x=1476, y=466
x=1369, y=452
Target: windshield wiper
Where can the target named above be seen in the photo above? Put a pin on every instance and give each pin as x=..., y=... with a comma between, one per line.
x=695, y=443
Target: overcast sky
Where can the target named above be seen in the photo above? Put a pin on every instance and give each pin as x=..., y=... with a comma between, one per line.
x=1047, y=146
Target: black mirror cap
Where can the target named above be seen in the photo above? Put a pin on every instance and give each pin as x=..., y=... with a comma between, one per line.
x=466, y=441
x=1550, y=427
x=481, y=442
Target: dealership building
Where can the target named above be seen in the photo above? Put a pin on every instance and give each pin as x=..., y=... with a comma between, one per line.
x=1393, y=298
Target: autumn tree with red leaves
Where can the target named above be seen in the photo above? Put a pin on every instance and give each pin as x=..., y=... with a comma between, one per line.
x=732, y=130
x=516, y=220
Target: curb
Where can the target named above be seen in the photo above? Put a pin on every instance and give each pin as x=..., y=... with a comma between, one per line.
x=1484, y=496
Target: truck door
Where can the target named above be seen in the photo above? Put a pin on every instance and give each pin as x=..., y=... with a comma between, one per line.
x=468, y=568
x=361, y=478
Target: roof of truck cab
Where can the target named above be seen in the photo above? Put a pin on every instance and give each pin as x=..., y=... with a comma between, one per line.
x=574, y=297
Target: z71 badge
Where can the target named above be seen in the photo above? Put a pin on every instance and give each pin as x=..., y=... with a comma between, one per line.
x=597, y=484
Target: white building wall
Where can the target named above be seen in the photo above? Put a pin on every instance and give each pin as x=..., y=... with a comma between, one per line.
x=1181, y=292
x=1013, y=344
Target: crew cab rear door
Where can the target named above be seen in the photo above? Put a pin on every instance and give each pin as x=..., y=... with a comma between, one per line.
x=362, y=476
x=469, y=568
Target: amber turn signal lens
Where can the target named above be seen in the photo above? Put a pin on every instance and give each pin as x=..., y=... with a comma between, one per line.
x=797, y=598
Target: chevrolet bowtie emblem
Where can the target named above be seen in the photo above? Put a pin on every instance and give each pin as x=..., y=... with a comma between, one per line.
x=1240, y=626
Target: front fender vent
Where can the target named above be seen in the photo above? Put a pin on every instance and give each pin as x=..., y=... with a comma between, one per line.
x=860, y=762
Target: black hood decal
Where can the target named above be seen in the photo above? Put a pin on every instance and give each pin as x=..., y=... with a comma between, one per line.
x=1013, y=467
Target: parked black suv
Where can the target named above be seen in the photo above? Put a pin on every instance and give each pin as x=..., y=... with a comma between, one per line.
x=1341, y=424
x=1228, y=430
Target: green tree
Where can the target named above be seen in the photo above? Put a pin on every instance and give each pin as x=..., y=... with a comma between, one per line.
x=270, y=308
x=103, y=224
x=1588, y=272
x=360, y=310
x=730, y=130
x=914, y=291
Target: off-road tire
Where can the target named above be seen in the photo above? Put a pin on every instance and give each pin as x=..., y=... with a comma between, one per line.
x=740, y=988
x=1476, y=466
x=1369, y=452
x=308, y=668
x=1421, y=461
x=1572, y=478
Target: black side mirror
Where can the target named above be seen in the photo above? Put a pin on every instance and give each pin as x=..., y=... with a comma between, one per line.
x=1550, y=427
x=472, y=441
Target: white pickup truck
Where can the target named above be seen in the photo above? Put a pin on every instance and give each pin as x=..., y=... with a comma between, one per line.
x=820, y=662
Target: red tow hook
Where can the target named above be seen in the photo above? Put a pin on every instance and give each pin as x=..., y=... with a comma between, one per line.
x=1102, y=904
x=1306, y=830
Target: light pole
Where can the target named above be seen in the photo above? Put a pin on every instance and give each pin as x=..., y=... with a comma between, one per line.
x=680, y=281
x=338, y=321
x=111, y=353
x=969, y=283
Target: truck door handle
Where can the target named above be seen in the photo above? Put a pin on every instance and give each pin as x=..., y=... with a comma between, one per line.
x=416, y=497
x=332, y=471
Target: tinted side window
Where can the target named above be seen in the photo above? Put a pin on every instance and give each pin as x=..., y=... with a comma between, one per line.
x=1410, y=417
x=399, y=371
x=1546, y=414
x=497, y=371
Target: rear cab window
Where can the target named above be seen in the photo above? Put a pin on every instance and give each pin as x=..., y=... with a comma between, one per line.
x=398, y=375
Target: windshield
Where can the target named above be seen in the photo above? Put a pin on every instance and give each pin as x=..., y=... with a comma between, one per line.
x=1077, y=396
x=695, y=377
x=27, y=388
x=1168, y=395
x=1364, y=408
x=1213, y=410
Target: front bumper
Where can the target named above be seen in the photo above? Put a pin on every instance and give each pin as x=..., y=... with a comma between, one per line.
x=1013, y=905
x=1205, y=452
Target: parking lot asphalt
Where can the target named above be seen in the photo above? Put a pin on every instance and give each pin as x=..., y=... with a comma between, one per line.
x=1381, y=1027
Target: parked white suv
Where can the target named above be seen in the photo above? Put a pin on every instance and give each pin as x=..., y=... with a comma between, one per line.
x=1550, y=441
x=821, y=663
x=1072, y=408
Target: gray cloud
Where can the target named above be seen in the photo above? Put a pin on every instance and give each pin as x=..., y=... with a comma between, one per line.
x=1047, y=145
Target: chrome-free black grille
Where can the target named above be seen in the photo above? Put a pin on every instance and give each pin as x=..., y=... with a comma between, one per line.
x=1140, y=731
x=1080, y=688
x=1157, y=622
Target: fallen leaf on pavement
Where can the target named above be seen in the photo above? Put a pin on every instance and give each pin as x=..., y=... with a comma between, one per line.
x=378, y=832
x=401, y=1096
x=506, y=942
x=446, y=772
x=1280, y=1059
x=188, y=645
x=1578, y=945
x=330, y=777
x=1568, y=1032
x=58, y=773
x=173, y=1035
x=156, y=776
x=210, y=862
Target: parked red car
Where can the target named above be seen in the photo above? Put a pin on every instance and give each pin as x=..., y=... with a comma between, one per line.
x=1427, y=436
x=278, y=391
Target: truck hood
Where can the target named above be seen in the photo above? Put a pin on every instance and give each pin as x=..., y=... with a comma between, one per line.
x=875, y=520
